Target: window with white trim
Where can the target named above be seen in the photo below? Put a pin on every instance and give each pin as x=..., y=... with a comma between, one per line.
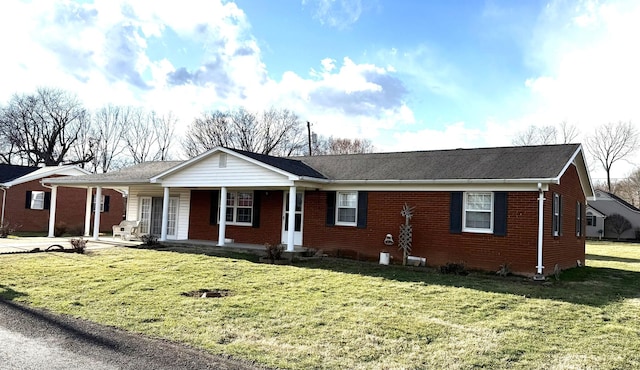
x=346, y=208
x=591, y=219
x=478, y=212
x=37, y=200
x=239, y=208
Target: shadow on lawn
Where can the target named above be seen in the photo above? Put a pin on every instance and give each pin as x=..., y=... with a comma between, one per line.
x=599, y=257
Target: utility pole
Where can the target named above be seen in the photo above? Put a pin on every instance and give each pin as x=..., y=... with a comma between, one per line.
x=309, y=135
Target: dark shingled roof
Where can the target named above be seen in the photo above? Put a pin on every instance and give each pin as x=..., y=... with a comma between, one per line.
x=525, y=162
x=10, y=172
x=291, y=165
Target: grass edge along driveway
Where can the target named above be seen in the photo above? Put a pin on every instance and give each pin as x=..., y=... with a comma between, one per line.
x=338, y=314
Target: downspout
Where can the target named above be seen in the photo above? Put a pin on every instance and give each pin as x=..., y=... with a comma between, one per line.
x=4, y=201
x=539, y=267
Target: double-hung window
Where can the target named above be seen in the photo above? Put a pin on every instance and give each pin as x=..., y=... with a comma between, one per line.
x=478, y=212
x=37, y=200
x=591, y=219
x=347, y=208
x=239, y=208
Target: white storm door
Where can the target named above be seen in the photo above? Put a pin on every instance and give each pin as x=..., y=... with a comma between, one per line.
x=297, y=231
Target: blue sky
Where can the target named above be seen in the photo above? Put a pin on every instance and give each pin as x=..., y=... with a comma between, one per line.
x=408, y=75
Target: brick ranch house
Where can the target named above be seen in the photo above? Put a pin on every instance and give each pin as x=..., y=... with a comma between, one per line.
x=523, y=206
x=26, y=204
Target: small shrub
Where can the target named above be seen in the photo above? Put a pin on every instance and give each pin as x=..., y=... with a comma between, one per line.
x=274, y=251
x=6, y=230
x=149, y=240
x=59, y=230
x=454, y=268
x=76, y=230
x=504, y=270
x=79, y=245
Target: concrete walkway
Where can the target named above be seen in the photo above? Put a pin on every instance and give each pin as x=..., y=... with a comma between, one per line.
x=27, y=244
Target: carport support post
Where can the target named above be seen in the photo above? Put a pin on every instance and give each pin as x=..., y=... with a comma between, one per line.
x=87, y=213
x=222, y=226
x=291, y=222
x=52, y=210
x=96, y=214
x=165, y=215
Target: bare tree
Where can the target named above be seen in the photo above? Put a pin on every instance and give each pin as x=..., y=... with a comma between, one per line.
x=43, y=127
x=331, y=145
x=139, y=138
x=612, y=143
x=282, y=133
x=617, y=224
x=109, y=125
x=164, y=127
x=545, y=135
x=273, y=132
x=629, y=188
x=569, y=132
x=207, y=132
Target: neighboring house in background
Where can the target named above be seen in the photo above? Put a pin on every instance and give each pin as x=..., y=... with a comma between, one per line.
x=26, y=203
x=606, y=204
x=521, y=206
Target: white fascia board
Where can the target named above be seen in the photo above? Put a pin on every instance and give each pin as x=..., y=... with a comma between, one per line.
x=426, y=186
x=583, y=173
x=44, y=172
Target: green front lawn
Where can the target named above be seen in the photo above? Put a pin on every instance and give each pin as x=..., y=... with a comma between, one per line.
x=339, y=314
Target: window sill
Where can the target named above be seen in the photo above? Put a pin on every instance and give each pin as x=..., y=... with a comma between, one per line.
x=478, y=231
x=354, y=224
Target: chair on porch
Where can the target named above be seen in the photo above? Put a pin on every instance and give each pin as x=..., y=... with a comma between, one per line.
x=126, y=229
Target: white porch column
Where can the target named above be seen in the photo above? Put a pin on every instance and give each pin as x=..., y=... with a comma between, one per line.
x=52, y=210
x=87, y=213
x=222, y=226
x=96, y=213
x=291, y=222
x=165, y=215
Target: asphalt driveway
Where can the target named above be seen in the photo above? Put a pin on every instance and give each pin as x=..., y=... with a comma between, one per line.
x=37, y=339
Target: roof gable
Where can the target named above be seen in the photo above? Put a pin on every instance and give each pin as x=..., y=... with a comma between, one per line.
x=291, y=168
x=39, y=173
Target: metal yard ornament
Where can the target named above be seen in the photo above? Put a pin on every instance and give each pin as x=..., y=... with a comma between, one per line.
x=406, y=233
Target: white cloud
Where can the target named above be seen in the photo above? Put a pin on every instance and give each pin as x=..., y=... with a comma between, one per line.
x=336, y=13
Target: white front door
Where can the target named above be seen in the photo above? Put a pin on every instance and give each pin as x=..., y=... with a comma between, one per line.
x=297, y=234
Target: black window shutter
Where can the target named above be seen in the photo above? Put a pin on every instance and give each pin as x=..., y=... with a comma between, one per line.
x=27, y=201
x=93, y=203
x=560, y=215
x=363, y=198
x=107, y=198
x=47, y=200
x=500, y=213
x=578, y=218
x=256, y=209
x=455, y=213
x=213, y=210
x=331, y=208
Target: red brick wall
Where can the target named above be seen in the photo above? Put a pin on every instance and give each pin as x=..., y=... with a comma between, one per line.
x=70, y=209
x=565, y=249
x=431, y=236
x=269, y=230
